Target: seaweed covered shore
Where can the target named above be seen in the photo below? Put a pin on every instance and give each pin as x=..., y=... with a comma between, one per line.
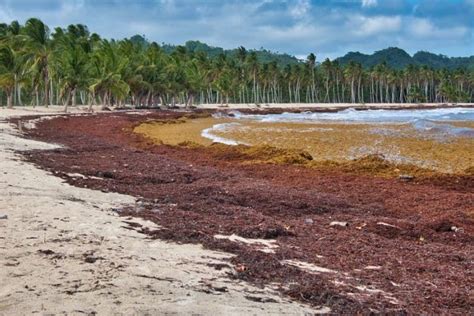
x=339, y=237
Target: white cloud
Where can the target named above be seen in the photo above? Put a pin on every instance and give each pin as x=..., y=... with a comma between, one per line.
x=425, y=29
x=369, y=3
x=327, y=28
x=6, y=14
x=71, y=7
x=369, y=26
x=300, y=8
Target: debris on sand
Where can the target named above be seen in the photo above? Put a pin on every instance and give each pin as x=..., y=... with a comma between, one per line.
x=257, y=202
x=308, y=266
x=336, y=223
x=46, y=252
x=263, y=245
x=406, y=177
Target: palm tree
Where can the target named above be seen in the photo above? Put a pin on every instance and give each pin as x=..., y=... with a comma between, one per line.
x=71, y=62
x=196, y=79
x=7, y=72
x=311, y=61
x=38, y=48
x=225, y=84
x=107, y=80
x=351, y=72
x=253, y=67
x=327, y=70
x=71, y=65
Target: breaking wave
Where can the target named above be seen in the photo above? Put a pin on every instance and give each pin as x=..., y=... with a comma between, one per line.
x=208, y=133
x=370, y=116
x=427, y=120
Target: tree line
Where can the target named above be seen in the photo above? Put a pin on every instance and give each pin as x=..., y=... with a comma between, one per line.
x=71, y=66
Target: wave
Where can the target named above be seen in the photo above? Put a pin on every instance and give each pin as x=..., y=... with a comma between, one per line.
x=434, y=122
x=442, y=129
x=208, y=133
x=366, y=116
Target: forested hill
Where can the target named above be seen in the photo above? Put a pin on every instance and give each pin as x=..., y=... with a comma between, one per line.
x=397, y=58
x=394, y=57
x=263, y=55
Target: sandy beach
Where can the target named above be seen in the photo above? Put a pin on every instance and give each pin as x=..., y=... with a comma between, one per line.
x=268, y=218
x=236, y=157
x=63, y=249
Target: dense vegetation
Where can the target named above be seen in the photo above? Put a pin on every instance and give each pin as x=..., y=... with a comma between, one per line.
x=71, y=66
x=397, y=58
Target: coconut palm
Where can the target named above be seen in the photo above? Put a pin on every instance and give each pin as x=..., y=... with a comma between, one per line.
x=196, y=79
x=107, y=66
x=71, y=66
x=38, y=48
x=71, y=63
x=8, y=64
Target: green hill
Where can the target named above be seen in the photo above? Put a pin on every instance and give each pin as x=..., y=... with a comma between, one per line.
x=263, y=55
x=398, y=58
x=394, y=57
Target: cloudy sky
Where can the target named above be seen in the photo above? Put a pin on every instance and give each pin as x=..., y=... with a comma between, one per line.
x=329, y=28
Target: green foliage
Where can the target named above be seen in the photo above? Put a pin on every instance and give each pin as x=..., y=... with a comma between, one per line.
x=70, y=65
x=399, y=59
x=263, y=56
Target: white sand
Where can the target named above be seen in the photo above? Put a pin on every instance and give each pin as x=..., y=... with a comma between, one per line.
x=133, y=275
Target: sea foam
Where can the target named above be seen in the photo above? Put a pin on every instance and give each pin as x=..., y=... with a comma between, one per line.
x=209, y=134
x=434, y=121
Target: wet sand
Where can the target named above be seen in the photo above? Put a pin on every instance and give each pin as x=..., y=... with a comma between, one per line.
x=353, y=243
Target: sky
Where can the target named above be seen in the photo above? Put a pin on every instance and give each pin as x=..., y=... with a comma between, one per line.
x=328, y=28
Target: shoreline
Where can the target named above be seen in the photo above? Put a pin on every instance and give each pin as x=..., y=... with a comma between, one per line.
x=323, y=107
x=436, y=145
x=214, y=198
x=65, y=249
x=271, y=108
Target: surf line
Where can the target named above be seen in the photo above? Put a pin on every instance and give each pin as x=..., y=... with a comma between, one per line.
x=208, y=133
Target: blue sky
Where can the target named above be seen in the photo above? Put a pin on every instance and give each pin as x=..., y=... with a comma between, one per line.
x=327, y=28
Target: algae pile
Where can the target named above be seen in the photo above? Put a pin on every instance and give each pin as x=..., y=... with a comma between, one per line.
x=385, y=149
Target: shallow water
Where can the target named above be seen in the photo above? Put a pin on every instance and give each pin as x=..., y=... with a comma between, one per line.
x=441, y=139
x=431, y=121
x=374, y=116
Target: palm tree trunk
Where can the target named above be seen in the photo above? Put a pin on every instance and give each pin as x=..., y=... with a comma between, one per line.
x=37, y=96
x=90, y=101
x=20, y=102
x=9, y=99
x=352, y=91
x=73, y=96
x=46, y=88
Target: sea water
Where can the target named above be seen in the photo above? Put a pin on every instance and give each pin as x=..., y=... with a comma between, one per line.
x=365, y=116
x=434, y=121
x=442, y=139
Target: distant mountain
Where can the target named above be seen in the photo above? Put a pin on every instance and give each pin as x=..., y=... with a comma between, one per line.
x=394, y=57
x=441, y=61
x=263, y=55
x=398, y=58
